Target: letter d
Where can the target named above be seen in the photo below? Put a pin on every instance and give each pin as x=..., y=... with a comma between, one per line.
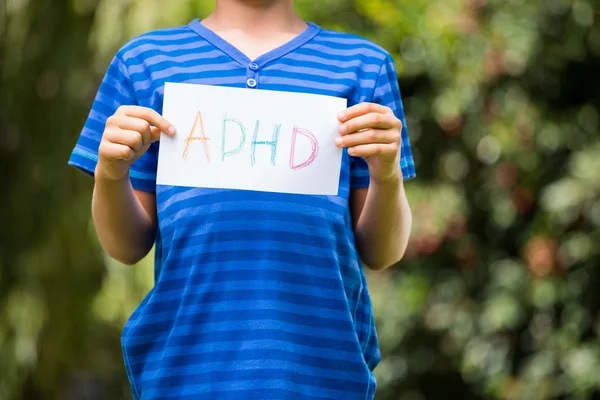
x=314, y=152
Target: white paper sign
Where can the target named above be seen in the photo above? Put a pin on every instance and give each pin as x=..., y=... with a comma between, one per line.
x=250, y=139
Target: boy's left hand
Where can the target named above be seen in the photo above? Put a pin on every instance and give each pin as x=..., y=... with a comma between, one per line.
x=373, y=132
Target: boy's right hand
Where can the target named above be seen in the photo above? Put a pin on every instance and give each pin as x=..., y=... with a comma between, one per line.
x=128, y=134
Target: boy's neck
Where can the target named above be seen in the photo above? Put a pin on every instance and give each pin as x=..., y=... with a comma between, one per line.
x=256, y=17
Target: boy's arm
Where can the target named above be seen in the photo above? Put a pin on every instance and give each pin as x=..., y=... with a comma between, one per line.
x=382, y=222
x=381, y=215
x=115, y=146
x=125, y=219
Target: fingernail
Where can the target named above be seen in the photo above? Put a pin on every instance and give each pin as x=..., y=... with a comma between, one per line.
x=342, y=116
x=343, y=129
x=172, y=130
x=350, y=151
x=339, y=141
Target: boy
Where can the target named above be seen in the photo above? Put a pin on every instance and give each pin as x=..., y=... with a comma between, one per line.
x=257, y=295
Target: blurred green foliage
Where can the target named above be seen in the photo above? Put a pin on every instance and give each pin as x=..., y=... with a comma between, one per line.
x=497, y=297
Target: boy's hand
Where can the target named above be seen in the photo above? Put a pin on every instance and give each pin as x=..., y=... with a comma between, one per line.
x=128, y=134
x=373, y=132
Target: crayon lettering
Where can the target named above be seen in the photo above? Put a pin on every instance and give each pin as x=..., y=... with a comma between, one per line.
x=226, y=132
x=315, y=148
x=223, y=136
x=272, y=143
x=203, y=138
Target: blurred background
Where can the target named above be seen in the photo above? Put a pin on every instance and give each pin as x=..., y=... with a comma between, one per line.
x=499, y=294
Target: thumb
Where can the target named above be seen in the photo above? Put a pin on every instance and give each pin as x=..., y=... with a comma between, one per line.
x=156, y=132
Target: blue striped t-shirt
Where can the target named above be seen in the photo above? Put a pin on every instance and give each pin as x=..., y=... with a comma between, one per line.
x=257, y=295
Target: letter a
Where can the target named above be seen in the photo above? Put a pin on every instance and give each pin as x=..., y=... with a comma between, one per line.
x=202, y=138
x=315, y=148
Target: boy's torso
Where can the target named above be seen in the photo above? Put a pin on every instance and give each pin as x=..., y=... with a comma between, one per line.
x=258, y=295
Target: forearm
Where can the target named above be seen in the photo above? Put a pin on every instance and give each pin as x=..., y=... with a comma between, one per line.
x=125, y=230
x=383, y=229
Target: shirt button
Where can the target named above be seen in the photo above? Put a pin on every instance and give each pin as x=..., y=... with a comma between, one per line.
x=251, y=82
x=253, y=66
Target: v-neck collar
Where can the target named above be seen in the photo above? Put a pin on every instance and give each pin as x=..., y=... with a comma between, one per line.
x=310, y=32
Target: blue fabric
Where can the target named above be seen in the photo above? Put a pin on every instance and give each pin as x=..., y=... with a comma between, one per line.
x=257, y=295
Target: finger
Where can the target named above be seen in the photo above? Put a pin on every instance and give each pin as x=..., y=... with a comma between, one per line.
x=386, y=151
x=369, y=121
x=362, y=109
x=131, y=123
x=154, y=134
x=130, y=138
x=150, y=116
x=368, y=136
x=116, y=151
x=150, y=134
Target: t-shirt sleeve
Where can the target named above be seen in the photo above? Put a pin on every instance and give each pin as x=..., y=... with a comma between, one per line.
x=115, y=90
x=386, y=93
